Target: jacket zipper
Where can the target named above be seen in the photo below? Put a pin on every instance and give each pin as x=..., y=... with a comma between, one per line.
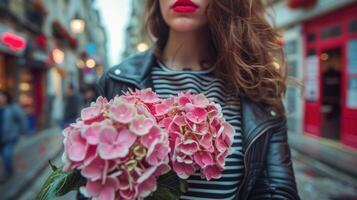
x=245, y=156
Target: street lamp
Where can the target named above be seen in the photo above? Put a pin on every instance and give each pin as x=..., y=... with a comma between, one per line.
x=142, y=47
x=90, y=63
x=77, y=25
x=58, y=56
x=80, y=64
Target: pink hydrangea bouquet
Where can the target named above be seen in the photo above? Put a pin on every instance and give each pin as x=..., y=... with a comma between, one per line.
x=139, y=146
x=200, y=138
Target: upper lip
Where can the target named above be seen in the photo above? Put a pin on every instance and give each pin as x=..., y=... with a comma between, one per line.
x=184, y=3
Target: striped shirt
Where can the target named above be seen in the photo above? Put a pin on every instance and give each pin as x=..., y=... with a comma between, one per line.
x=168, y=82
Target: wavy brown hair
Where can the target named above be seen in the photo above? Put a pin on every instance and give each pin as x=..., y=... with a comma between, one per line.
x=246, y=46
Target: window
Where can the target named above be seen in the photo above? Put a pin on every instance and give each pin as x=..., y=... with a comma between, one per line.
x=292, y=68
x=311, y=37
x=352, y=27
x=291, y=47
x=331, y=32
x=352, y=74
x=312, y=76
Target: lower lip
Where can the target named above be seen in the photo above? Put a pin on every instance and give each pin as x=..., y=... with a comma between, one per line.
x=184, y=9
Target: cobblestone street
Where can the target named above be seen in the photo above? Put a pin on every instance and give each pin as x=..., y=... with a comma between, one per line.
x=316, y=181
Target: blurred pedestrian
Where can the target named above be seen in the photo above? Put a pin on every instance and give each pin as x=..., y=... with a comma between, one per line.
x=73, y=103
x=89, y=95
x=12, y=125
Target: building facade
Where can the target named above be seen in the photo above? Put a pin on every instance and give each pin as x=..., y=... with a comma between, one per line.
x=136, y=39
x=321, y=46
x=40, y=53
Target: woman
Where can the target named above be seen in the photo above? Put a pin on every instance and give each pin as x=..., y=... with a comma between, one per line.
x=227, y=50
x=12, y=124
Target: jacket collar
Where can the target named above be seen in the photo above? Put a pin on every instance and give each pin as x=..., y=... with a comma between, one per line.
x=136, y=69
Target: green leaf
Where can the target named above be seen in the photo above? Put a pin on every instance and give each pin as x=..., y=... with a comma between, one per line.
x=183, y=186
x=163, y=193
x=60, y=183
x=170, y=187
x=73, y=181
x=53, y=167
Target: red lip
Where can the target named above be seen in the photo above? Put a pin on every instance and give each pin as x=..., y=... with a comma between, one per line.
x=184, y=6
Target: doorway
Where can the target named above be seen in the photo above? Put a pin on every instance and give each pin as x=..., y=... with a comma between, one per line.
x=331, y=80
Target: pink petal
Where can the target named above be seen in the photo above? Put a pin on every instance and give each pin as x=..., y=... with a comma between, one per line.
x=67, y=131
x=94, y=170
x=197, y=115
x=125, y=138
x=107, y=135
x=215, y=126
x=184, y=99
x=220, y=145
x=201, y=129
x=203, y=158
x=148, y=96
x=129, y=194
x=94, y=188
x=200, y=101
x=76, y=147
x=126, y=99
x=183, y=170
x=102, y=191
x=162, y=169
x=147, y=174
x=123, y=113
x=101, y=100
x=141, y=125
x=212, y=110
x=221, y=158
x=119, y=147
x=157, y=153
x=147, y=187
x=212, y=172
x=124, y=181
x=161, y=109
x=228, y=132
x=188, y=147
x=207, y=143
x=143, y=109
x=154, y=134
x=182, y=158
x=91, y=154
x=180, y=121
x=91, y=134
x=91, y=112
x=107, y=193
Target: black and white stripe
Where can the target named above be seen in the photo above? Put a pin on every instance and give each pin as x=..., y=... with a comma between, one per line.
x=167, y=83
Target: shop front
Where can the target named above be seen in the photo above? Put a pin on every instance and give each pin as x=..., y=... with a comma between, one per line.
x=330, y=76
x=23, y=73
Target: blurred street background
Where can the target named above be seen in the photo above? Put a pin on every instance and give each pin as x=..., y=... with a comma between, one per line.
x=52, y=52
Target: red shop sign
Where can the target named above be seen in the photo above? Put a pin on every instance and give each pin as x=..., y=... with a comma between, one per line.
x=13, y=41
x=294, y=4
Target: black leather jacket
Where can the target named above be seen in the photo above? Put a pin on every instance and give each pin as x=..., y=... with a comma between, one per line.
x=267, y=160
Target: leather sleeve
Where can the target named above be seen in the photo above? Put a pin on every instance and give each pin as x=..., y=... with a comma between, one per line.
x=101, y=86
x=277, y=180
x=109, y=88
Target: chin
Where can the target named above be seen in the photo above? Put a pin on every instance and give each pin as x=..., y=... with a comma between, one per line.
x=185, y=25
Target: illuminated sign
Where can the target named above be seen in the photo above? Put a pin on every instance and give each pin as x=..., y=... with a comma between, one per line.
x=58, y=56
x=13, y=41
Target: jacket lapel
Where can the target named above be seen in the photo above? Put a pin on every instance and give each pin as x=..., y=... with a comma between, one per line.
x=135, y=70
